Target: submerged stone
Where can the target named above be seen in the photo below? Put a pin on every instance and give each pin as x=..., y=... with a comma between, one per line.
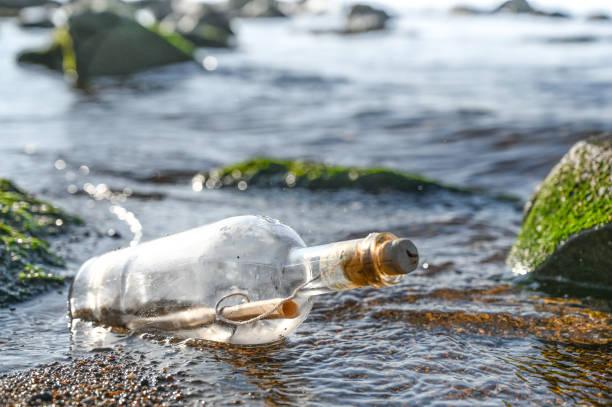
x=268, y=172
x=566, y=234
x=108, y=43
x=26, y=262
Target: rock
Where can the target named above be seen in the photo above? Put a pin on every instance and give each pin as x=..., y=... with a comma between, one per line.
x=267, y=172
x=360, y=18
x=599, y=17
x=508, y=7
x=514, y=6
x=202, y=24
x=566, y=234
x=52, y=57
x=523, y=7
x=363, y=18
x=37, y=17
x=554, y=14
x=255, y=8
x=107, y=43
x=26, y=263
x=574, y=39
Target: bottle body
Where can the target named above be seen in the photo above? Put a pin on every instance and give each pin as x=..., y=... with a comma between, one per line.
x=245, y=254
x=242, y=280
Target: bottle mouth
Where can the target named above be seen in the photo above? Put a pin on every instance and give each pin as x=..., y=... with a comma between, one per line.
x=380, y=260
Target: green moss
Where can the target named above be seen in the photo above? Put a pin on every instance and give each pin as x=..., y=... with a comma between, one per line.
x=575, y=198
x=26, y=262
x=269, y=172
x=63, y=40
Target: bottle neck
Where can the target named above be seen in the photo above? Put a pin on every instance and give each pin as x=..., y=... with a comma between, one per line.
x=378, y=260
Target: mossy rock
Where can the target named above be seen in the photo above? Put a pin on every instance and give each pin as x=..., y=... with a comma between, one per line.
x=26, y=263
x=95, y=44
x=269, y=172
x=566, y=234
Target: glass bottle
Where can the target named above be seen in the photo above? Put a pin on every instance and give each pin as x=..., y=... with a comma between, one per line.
x=242, y=280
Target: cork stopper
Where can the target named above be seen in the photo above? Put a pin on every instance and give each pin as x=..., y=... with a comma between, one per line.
x=379, y=260
x=398, y=256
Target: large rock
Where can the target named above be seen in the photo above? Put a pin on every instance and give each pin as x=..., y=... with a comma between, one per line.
x=566, y=234
x=107, y=43
x=27, y=265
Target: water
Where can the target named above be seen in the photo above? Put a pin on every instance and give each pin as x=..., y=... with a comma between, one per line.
x=482, y=102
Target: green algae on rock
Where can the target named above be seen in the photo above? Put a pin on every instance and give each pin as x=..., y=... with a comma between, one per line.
x=108, y=43
x=269, y=172
x=566, y=234
x=26, y=262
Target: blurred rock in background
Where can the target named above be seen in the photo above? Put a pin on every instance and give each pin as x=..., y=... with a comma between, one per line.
x=99, y=41
x=359, y=18
x=508, y=7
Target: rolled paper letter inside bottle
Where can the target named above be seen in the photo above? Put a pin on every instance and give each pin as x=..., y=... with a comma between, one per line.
x=242, y=280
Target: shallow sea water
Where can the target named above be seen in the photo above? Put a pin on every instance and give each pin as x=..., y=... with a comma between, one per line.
x=475, y=102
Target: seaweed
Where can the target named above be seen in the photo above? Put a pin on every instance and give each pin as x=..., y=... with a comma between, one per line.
x=27, y=264
x=270, y=172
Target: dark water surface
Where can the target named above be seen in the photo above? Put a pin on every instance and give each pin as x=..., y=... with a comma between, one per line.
x=479, y=105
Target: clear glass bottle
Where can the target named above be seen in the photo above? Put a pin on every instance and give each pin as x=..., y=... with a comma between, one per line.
x=242, y=280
